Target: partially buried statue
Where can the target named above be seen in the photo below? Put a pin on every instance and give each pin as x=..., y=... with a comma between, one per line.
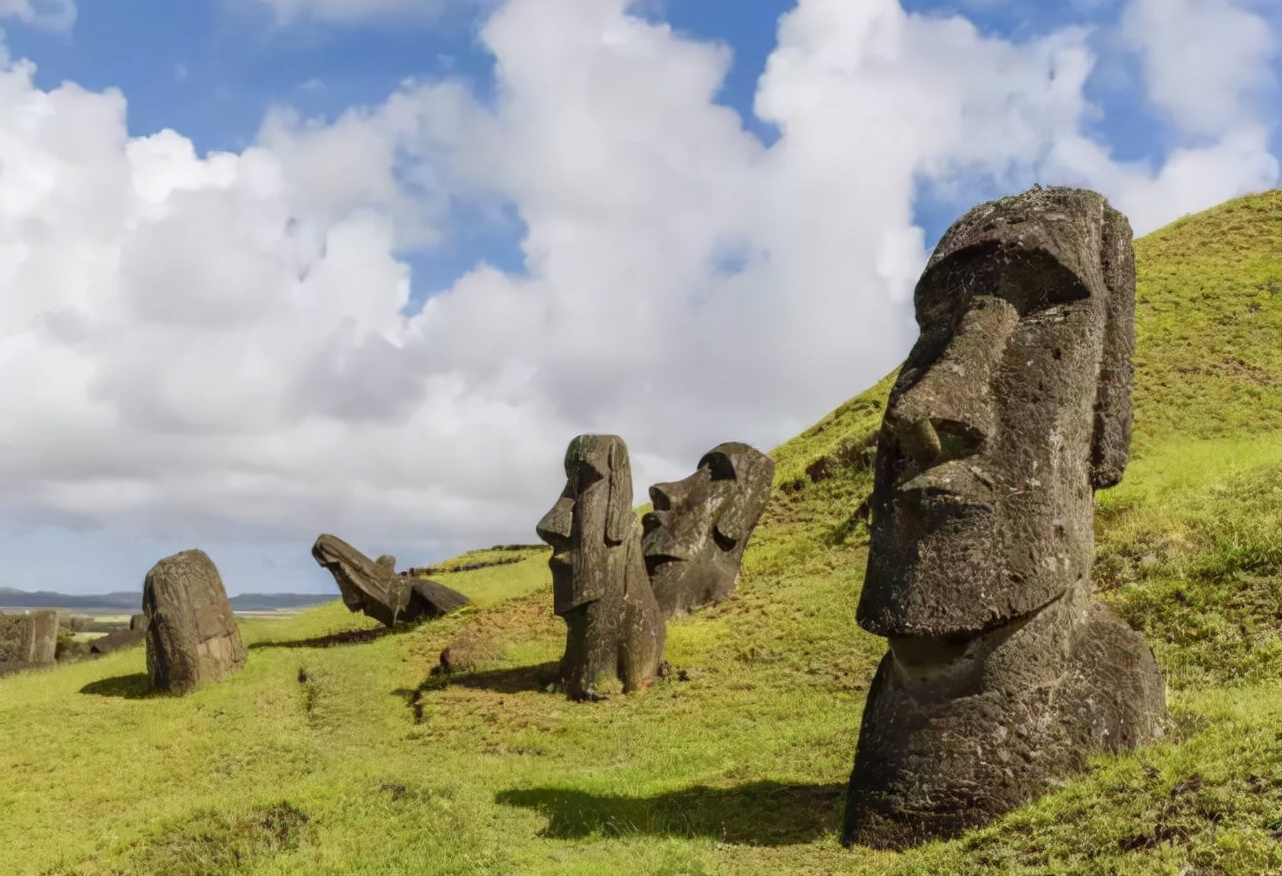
x=375, y=588
x=599, y=585
x=695, y=536
x=191, y=633
x=1010, y=411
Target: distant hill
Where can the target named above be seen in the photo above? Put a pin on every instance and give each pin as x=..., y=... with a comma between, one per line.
x=129, y=602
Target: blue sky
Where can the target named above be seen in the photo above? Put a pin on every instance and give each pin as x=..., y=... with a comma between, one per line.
x=625, y=217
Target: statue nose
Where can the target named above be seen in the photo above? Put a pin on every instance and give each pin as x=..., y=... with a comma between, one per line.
x=555, y=526
x=943, y=409
x=660, y=497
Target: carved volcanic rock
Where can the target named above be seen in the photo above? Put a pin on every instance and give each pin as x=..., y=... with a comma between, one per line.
x=192, y=637
x=1011, y=409
x=696, y=534
x=374, y=587
x=30, y=638
x=599, y=586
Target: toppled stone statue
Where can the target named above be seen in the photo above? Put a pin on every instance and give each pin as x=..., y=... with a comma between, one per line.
x=29, y=639
x=599, y=585
x=375, y=588
x=695, y=536
x=192, y=637
x=1011, y=410
x=117, y=640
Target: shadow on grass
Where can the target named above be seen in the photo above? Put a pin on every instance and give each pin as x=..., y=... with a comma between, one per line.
x=759, y=813
x=514, y=680
x=129, y=687
x=347, y=637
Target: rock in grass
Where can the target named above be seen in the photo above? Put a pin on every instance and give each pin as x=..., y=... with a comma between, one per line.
x=191, y=635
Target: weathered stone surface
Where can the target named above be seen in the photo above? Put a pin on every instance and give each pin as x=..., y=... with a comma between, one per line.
x=191, y=636
x=599, y=586
x=30, y=638
x=374, y=587
x=138, y=622
x=116, y=640
x=1011, y=409
x=695, y=536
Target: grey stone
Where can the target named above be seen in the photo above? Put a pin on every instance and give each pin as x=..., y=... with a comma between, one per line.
x=599, y=585
x=116, y=640
x=30, y=638
x=695, y=536
x=374, y=587
x=191, y=636
x=1012, y=408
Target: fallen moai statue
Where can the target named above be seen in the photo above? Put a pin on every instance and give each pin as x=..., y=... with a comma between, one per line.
x=191, y=634
x=116, y=640
x=375, y=588
x=599, y=585
x=1011, y=410
x=695, y=536
x=28, y=639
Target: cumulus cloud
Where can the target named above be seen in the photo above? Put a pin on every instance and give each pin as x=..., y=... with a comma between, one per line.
x=219, y=349
x=1203, y=61
x=49, y=14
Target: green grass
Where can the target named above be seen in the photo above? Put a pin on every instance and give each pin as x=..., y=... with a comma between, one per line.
x=737, y=761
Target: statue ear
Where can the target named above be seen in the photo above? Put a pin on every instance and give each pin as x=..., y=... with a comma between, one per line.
x=1111, y=439
x=618, y=511
x=753, y=474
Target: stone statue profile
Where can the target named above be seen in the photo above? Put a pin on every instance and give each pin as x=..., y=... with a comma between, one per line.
x=375, y=588
x=1012, y=408
x=695, y=536
x=599, y=584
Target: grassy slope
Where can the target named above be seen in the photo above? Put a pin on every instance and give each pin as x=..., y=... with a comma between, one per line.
x=374, y=765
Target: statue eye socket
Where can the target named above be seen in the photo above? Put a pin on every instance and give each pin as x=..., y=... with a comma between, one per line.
x=584, y=477
x=719, y=466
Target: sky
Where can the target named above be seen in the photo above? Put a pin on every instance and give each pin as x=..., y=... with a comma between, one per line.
x=272, y=268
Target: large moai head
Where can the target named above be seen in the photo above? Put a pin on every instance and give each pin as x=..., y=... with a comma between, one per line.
x=591, y=523
x=374, y=587
x=192, y=637
x=599, y=586
x=695, y=536
x=1011, y=409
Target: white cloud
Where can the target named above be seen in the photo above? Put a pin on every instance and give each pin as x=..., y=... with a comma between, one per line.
x=212, y=349
x=49, y=14
x=1202, y=59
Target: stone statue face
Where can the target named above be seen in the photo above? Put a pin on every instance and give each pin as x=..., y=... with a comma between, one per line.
x=590, y=521
x=695, y=536
x=1011, y=408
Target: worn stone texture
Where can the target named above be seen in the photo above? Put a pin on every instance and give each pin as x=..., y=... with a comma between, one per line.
x=1010, y=410
x=614, y=626
x=374, y=587
x=116, y=640
x=192, y=637
x=695, y=536
x=30, y=638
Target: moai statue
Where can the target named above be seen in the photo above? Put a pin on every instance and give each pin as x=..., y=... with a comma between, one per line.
x=1012, y=408
x=695, y=536
x=375, y=588
x=192, y=637
x=599, y=586
x=30, y=638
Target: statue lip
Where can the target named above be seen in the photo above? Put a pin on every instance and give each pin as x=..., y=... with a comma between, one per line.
x=653, y=561
x=950, y=486
x=560, y=562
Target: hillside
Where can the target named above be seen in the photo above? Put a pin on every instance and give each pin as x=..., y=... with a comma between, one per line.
x=737, y=761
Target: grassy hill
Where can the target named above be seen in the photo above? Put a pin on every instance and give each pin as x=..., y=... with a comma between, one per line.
x=737, y=761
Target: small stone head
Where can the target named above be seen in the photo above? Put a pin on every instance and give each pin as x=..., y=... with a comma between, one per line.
x=695, y=536
x=590, y=522
x=1010, y=410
